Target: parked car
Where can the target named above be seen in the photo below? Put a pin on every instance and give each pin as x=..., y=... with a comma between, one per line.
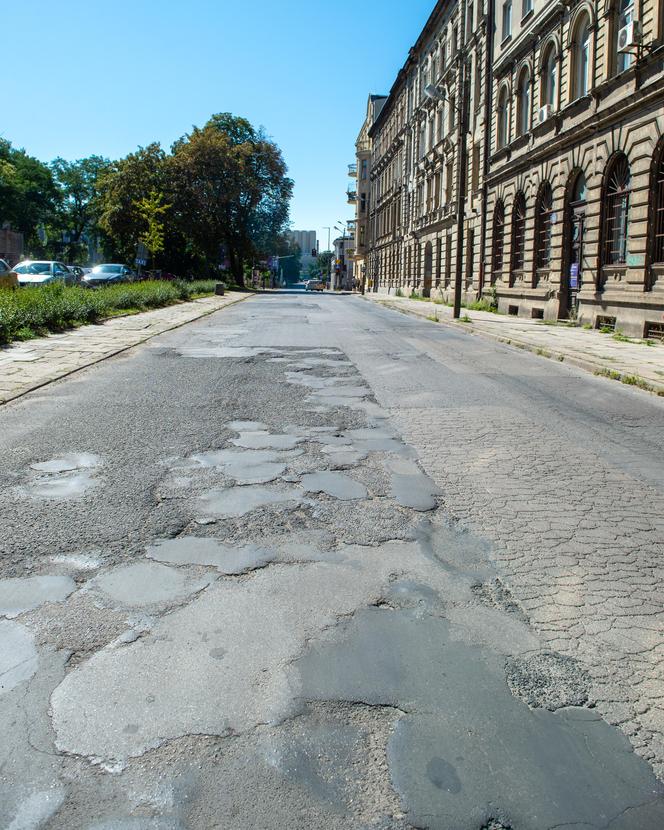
x=108, y=274
x=315, y=285
x=77, y=270
x=8, y=278
x=42, y=272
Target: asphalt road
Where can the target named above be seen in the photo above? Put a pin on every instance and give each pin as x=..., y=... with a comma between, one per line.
x=310, y=563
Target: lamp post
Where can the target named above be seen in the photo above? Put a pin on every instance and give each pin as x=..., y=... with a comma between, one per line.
x=342, y=230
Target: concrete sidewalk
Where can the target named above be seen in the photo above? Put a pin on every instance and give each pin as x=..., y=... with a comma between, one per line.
x=631, y=361
x=34, y=363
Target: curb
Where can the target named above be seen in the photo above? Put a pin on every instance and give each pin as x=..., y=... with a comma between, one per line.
x=41, y=384
x=596, y=369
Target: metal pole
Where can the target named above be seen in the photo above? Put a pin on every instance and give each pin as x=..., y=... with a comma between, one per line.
x=462, y=165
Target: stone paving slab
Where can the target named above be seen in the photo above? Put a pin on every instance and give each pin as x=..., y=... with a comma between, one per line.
x=634, y=362
x=27, y=366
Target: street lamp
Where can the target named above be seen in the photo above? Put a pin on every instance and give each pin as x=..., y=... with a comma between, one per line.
x=435, y=92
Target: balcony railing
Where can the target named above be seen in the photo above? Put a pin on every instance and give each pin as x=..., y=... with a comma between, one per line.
x=352, y=196
x=352, y=223
x=352, y=170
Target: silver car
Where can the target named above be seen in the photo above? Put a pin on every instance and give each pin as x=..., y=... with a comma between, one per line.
x=43, y=272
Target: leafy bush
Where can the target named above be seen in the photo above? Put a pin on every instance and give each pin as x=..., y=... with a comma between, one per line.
x=30, y=312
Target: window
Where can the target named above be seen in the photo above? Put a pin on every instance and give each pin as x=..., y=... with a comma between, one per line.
x=449, y=181
x=470, y=256
x=656, y=221
x=623, y=15
x=477, y=92
x=423, y=148
x=498, y=245
x=616, y=209
x=441, y=124
x=443, y=53
x=549, y=78
x=518, y=237
x=365, y=170
x=502, y=118
x=526, y=7
x=454, y=42
x=470, y=16
x=452, y=112
x=476, y=168
x=543, y=226
x=507, y=19
x=363, y=202
x=581, y=58
x=523, y=103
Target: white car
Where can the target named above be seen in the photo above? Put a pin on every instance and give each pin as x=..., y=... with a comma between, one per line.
x=43, y=272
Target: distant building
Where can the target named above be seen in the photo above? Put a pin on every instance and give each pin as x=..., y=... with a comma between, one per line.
x=359, y=191
x=307, y=242
x=342, y=273
x=11, y=245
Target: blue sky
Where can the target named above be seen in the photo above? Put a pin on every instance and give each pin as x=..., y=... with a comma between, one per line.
x=105, y=77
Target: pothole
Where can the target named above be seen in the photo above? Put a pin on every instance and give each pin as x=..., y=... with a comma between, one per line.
x=548, y=681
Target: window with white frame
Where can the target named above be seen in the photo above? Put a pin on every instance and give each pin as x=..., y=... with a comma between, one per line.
x=523, y=102
x=526, y=7
x=581, y=57
x=549, y=84
x=502, y=119
x=507, y=19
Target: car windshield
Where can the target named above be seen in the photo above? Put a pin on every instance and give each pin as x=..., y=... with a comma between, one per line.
x=107, y=269
x=34, y=268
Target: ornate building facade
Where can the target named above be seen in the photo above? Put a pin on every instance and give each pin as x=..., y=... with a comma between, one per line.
x=520, y=151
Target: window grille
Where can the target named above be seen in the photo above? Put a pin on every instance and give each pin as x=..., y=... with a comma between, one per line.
x=498, y=242
x=616, y=209
x=518, y=235
x=544, y=227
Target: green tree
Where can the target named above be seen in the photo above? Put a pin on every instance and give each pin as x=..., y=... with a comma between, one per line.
x=77, y=181
x=28, y=194
x=122, y=188
x=152, y=210
x=232, y=179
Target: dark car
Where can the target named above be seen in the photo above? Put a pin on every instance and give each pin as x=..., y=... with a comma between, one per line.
x=108, y=274
x=77, y=271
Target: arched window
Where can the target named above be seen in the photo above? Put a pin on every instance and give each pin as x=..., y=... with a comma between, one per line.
x=498, y=242
x=656, y=219
x=502, y=133
x=523, y=102
x=518, y=237
x=580, y=81
x=543, y=226
x=549, y=83
x=616, y=210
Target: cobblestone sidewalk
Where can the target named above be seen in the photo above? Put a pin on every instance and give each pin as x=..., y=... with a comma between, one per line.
x=633, y=361
x=27, y=366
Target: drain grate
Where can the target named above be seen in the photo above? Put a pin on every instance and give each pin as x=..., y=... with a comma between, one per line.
x=602, y=322
x=654, y=331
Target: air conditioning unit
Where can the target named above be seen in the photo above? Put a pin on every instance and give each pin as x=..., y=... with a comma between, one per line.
x=629, y=36
x=545, y=112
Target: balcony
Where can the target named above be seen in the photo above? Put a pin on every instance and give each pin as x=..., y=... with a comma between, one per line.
x=351, y=224
x=352, y=171
x=352, y=196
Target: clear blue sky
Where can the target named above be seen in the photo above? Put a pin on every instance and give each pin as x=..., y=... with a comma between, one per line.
x=105, y=77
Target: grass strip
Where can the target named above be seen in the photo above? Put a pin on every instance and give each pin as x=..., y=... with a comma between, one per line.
x=34, y=312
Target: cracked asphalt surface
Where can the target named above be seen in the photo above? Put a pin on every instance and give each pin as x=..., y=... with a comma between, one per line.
x=309, y=563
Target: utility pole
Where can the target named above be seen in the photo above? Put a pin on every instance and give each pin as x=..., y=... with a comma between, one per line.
x=462, y=161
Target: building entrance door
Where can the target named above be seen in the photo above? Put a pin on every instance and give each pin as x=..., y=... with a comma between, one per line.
x=572, y=276
x=428, y=270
